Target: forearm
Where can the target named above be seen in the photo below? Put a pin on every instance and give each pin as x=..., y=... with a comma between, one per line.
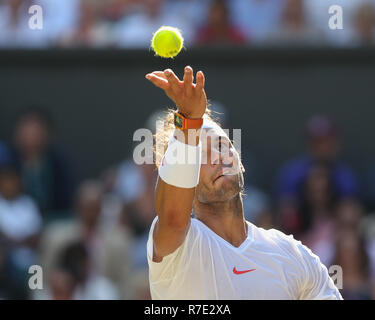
x=175, y=191
x=173, y=205
x=173, y=202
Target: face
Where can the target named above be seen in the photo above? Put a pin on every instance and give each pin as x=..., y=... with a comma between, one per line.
x=221, y=175
x=15, y=4
x=318, y=186
x=218, y=14
x=293, y=10
x=10, y=185
x=365, y=21
x=62, y=285
x=349, y=252
x=349, y=215
x=31, y=136
x=324, y=148
x=89, y=207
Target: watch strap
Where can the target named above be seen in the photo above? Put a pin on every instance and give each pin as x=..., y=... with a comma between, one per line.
x=189, y=123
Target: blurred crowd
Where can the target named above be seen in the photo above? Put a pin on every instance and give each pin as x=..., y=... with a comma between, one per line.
x=90, y=236
x=131, y=23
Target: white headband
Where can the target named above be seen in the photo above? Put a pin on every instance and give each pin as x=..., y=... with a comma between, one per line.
x=212, y=125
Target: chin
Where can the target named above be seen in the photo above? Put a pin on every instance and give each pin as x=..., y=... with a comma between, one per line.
x=227, y=189
x=222, y=191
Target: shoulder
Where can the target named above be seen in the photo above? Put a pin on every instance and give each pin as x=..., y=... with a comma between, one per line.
x=285, y=244
x=311, y=276
x=25, y=204
x=275, y=236
x=171, y=263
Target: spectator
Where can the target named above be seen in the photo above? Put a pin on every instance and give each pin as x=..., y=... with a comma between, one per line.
x=140, y=211
x=45, y=172
x=257, y=208
x=138, y=214
x=219, y=30
x=15, y=16
x=74, y=277
x=112, y=203
x=135, y=184
x=108, y=248
x=349, y=215
x=114, y=10
x=14, y=30
x=58, y=17
x=317, y=14
x=345, y=215
x=19, y=216
x=192, y=12
x=352, y=219
x=135, y=30
x=316, y=212
x=256, y=18
x=364, y=24
x=368, y=229
x=352, y=257
x=5, y=157
x=294, y=29
x=62, y=286
x=323, y=147
x=20, y=225
x=90, y=29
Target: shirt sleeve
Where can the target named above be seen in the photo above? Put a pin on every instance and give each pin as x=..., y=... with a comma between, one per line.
x=316, y=283
x=171, y=264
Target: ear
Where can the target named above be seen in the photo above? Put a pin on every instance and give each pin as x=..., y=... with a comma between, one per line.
x=242, y=167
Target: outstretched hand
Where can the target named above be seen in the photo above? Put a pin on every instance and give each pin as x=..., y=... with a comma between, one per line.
x=189, y=97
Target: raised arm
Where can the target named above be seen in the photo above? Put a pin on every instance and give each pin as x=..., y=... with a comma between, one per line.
x=174, y=204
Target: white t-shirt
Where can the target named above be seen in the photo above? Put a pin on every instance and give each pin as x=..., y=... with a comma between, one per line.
x=19, y=218
x=267, y=265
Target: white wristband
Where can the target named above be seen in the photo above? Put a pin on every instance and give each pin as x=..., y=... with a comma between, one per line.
x=180, y=166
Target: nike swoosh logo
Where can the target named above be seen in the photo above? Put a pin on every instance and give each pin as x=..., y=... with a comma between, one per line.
x=235, y=271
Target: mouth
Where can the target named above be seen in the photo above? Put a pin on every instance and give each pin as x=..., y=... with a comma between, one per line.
x=218, y=177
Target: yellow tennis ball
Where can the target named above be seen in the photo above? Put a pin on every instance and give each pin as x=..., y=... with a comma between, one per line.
x=167, y=42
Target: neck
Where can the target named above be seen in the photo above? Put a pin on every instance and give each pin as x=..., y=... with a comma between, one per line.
x=226, y=219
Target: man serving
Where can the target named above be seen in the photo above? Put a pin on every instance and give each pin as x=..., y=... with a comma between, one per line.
x=200, y=246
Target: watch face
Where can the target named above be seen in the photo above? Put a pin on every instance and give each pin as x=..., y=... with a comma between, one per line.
x=178, y=121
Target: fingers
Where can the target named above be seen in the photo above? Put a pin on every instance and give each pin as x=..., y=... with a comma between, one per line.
x=160, y=74
x=167, y=80
x=158, y=80
x=188, y=80
x=200, y=80
x=173, y=80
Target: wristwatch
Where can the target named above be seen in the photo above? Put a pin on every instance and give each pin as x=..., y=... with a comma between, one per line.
x=182, y=123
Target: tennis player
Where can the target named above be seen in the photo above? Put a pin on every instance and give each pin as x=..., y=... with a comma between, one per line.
x=200, y=246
